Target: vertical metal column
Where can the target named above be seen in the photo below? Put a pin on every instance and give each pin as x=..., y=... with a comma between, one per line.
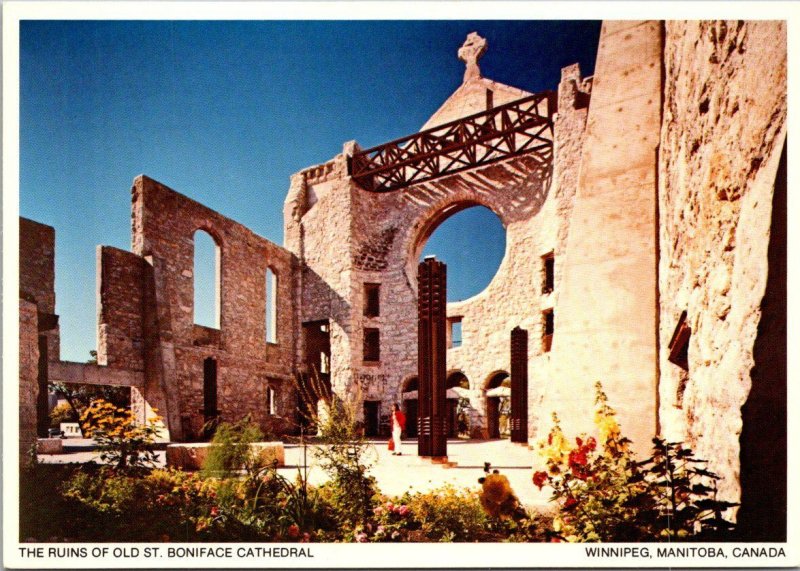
x=432, y=353
x=519, y=385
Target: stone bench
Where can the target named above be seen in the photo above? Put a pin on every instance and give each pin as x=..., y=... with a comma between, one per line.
x=49, y=446
x=190, y=456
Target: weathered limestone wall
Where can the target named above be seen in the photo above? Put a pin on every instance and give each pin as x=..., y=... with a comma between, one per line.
x=120, y=309
x=164, y=223
x=721, y=138
x=605, y=321
x=37, y=274
x=384, y=235
x=28, y=371
x=317, y=227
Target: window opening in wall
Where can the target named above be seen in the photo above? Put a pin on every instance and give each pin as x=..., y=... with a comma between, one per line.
x=549, y=267
x=206, y=280
x=272, y=306
x=549, y=326
x=679, y=355
x=372, y=344
x=271, y=405
x=489, y=99
x=472, y=242
x=210, y=412
x=372, y=300
x=679, y=344
x=455, y=332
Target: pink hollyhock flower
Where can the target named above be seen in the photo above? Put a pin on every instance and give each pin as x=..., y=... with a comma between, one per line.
x=402, y=510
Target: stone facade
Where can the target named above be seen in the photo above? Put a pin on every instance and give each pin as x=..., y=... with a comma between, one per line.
x=660, y=195
x=723, y=131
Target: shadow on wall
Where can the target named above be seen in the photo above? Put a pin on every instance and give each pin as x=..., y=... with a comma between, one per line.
x=762, y=516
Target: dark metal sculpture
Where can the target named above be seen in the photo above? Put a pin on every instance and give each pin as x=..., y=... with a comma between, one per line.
x=519, y=385
x=432, y=280
x=516, y=128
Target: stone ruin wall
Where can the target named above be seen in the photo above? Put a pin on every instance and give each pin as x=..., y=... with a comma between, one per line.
x=722, y=134
x=605, y=319
x=317, y=226
x=172, y=345
x=37, y=274
x=385, y=233
x=28, y=377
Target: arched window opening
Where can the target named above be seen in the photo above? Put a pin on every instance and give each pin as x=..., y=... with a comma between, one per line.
x=272, y=306
x=498, y=405
x=206, y=280
x=472, y=242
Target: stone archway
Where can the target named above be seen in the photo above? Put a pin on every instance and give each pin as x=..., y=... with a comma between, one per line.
x=409, y=399
x=497, y=390
x=457, y=383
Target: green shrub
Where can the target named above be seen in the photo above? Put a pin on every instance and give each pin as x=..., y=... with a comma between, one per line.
x=343, y=452
x=232, y=451
x=448, y=514
x=121, y=440
x=62, y=413
x=604, y=494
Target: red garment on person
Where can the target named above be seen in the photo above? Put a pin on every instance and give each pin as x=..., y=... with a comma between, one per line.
x=400, y=418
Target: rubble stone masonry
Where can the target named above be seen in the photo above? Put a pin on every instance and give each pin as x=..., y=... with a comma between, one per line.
x=723, y=130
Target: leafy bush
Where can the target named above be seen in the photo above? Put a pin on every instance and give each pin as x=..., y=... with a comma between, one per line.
x=344, y=454
x=232, y=450
x=121, y=440
x=62, y=413
x=448, y=514
x=604, y=494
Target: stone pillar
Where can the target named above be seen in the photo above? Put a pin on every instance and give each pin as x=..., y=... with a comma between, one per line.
x=519, y=385
x=606, y=317
x=432, y=281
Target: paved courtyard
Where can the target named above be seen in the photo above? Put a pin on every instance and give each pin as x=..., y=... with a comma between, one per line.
x=397, y=474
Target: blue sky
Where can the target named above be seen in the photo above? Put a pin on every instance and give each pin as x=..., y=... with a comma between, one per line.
x=225, y=112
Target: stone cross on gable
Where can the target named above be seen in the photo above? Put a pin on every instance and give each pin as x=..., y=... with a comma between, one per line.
x=472, y=50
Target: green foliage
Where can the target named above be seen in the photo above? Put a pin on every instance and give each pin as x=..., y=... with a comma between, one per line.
x=80, y=397
x=448, y=514
x=232, y=450
x=121, y=440
x=604, y=494
x=62, y=413
x=343, y=452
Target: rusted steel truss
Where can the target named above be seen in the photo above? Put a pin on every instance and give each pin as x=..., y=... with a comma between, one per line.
x=516, y=128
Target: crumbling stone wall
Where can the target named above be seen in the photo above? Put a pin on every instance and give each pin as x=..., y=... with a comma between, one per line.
x=120, y=325
x=723, y=129
x=347, y=237
x=173, y=348
x=605, y=318
x=37, y=274
x=28, y=371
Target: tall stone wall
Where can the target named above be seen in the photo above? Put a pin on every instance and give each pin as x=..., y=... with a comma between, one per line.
x=37, y=275
x=384, y=234
x=28, y=371
x=120, y=315
x=164, y=224
x=317, y=227
x=605, y=320
x=721, y=139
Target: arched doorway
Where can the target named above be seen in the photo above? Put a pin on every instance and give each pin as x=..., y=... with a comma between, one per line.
x=410, y=401
x=498, y=400
x=457, y=383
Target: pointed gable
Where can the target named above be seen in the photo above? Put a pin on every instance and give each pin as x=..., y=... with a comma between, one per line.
x=476, y=93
